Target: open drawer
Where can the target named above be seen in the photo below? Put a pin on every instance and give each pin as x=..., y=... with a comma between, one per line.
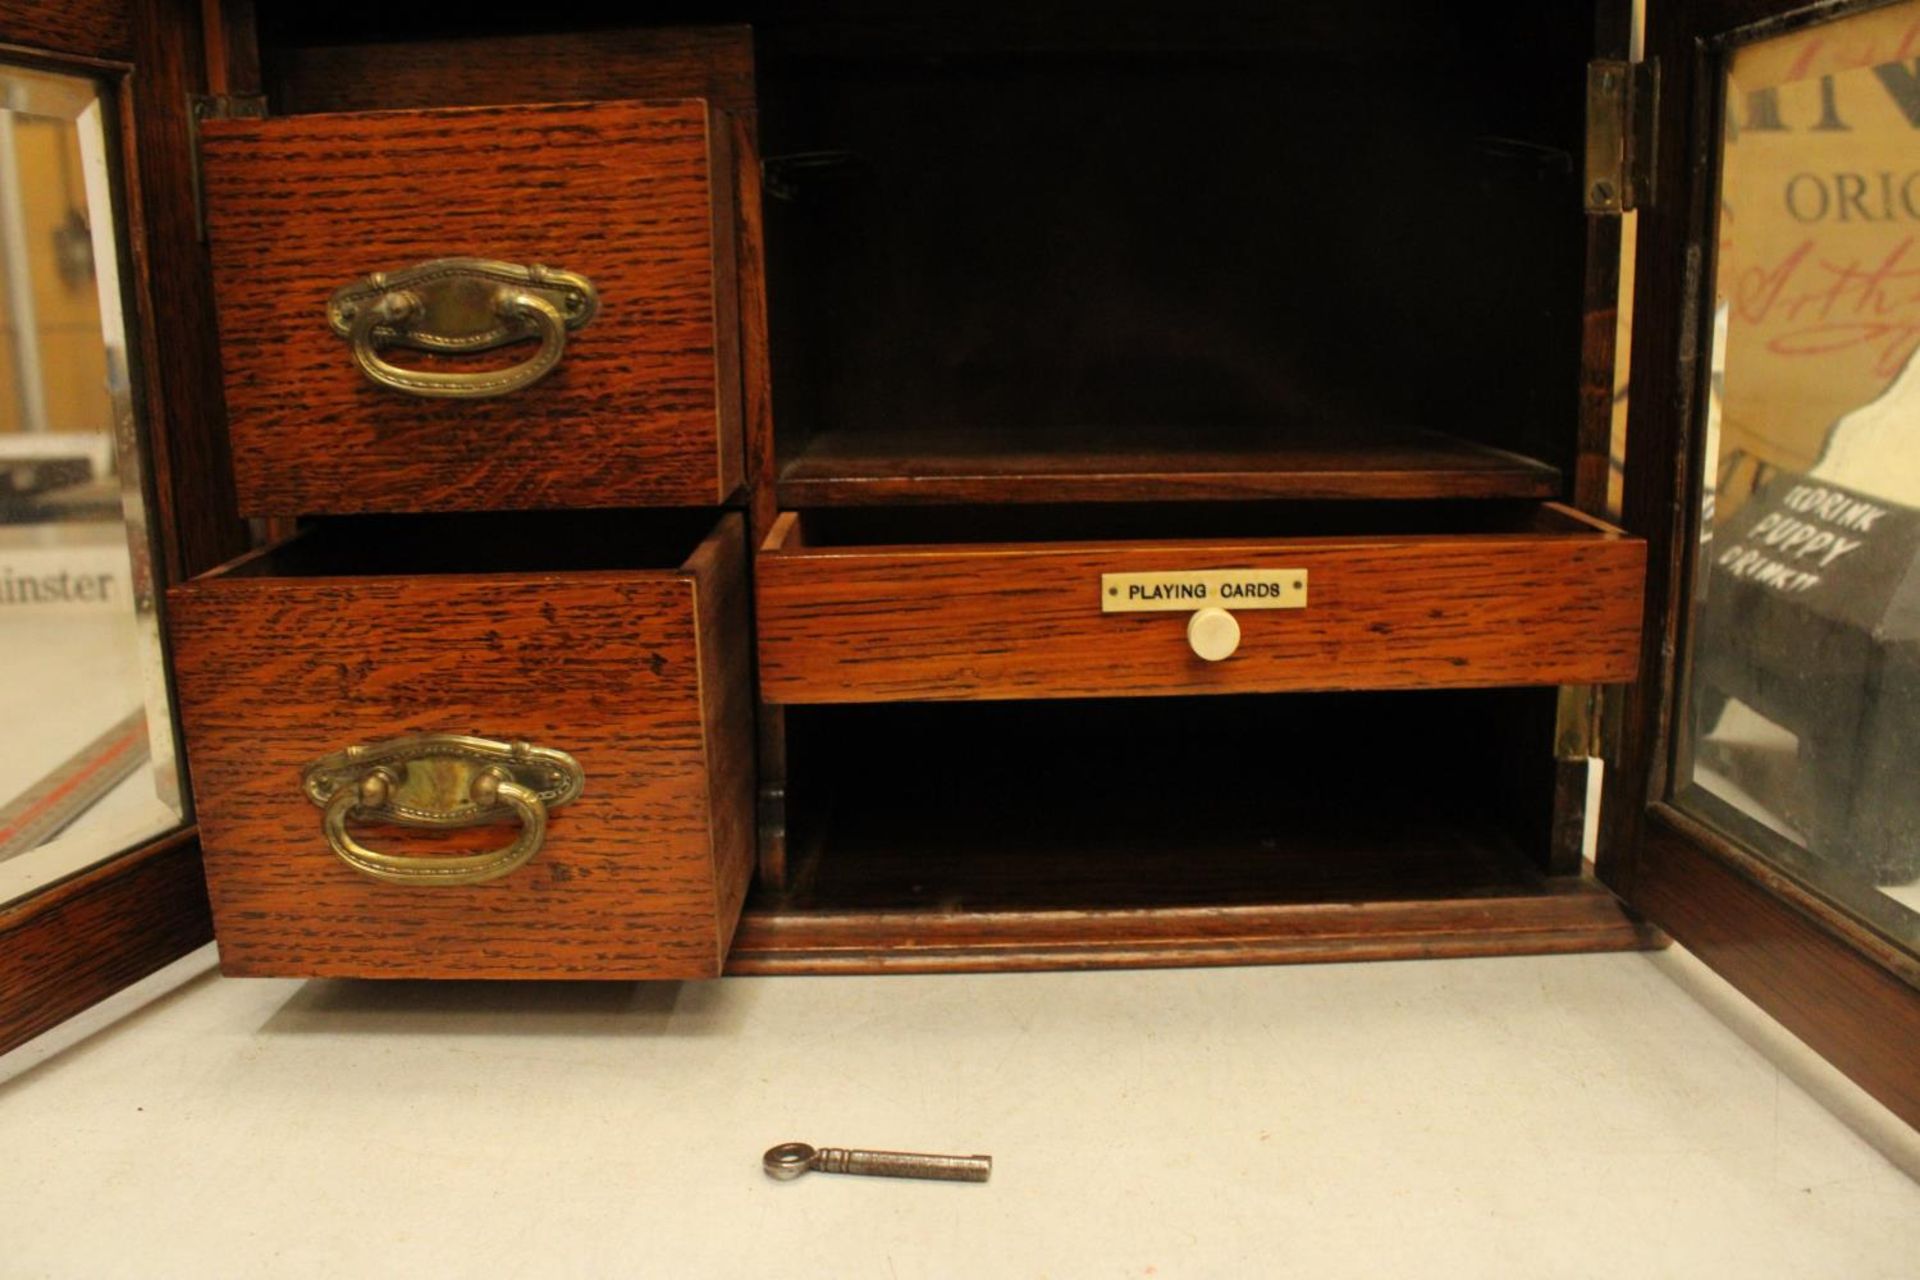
x=515, y=747
x=850, y=610
x=473, y=309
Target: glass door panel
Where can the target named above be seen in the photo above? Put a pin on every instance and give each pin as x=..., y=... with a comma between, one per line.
x=1800, y=729
x=87, y=763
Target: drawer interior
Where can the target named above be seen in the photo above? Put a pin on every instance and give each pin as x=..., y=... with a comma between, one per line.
x=499, y=543
x=1105, y=804
x=862, y=527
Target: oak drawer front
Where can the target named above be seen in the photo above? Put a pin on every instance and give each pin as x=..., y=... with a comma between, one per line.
x=642, y=677
x=1559, y=603
x=643, y=406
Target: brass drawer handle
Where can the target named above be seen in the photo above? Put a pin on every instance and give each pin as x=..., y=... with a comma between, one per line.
x=454, y=306
x=440, y=780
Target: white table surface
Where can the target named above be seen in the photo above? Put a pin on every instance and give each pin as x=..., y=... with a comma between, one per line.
x=1571, y=1116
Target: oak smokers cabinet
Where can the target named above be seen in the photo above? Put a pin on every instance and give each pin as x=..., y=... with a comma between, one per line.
x=820, y=488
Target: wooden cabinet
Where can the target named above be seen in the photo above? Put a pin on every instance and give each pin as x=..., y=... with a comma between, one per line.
x=941, y=331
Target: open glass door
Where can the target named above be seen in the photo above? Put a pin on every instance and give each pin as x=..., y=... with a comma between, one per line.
x=1764, y=804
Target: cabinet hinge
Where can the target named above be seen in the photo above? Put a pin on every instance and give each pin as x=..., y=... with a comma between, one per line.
x=1622, y=98
x=218, y=106
x=1576, y=732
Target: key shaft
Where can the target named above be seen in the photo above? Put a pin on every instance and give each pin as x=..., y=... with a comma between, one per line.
x=903, y=1164
x=791, y=1159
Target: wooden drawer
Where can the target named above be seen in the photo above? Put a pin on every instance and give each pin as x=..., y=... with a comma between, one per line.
x=1528, y=596
x=641, y=674
x=643, y=408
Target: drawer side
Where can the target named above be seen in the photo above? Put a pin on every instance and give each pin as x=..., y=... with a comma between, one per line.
x=724, y=634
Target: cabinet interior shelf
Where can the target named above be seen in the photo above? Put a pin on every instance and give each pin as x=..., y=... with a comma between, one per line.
x=861, y=863
x=962, y=891
x=982, y=836
x=845, y=468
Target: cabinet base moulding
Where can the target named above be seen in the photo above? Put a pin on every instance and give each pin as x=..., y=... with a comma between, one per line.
x=1579, y=918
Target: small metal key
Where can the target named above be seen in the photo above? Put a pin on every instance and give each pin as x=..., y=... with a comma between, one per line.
x=791, y=1159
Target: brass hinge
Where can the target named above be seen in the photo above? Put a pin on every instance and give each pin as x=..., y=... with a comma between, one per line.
x=218, y=106
x=1622, y=98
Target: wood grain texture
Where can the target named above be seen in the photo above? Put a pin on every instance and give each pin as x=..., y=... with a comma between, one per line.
x=756, y=365
x=633, y=196
x=1580, y=917
x=1023, y=620
x=1301, y=461
x=729, y=268
x=87, y=28
x=1742, y=921
x=723, y=609
x=715, y=63
x=80, y=941
x=628, y=671
x=171, y=305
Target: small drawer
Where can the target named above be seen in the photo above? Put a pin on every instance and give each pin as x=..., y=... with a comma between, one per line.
x=1524, y=595
x=642, y=407
x=387, y=635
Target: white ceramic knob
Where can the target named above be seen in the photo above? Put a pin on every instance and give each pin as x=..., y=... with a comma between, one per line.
x=1213, y=634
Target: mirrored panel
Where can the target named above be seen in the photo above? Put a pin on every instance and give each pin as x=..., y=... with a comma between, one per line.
x=87, y=764
x=1800, y=735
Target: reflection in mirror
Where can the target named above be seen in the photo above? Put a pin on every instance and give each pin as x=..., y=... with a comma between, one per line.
x=86, y=739
x=1801, y=737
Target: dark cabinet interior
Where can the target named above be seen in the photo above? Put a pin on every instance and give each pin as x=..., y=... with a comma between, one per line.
x=1189, y=802
x=1228, y=261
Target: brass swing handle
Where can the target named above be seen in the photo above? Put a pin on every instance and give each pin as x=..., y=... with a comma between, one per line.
x=454, y=306
x=490, y=788
x=440, y=780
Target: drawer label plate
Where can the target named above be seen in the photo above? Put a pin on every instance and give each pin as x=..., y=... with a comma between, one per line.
x=1189, y=590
